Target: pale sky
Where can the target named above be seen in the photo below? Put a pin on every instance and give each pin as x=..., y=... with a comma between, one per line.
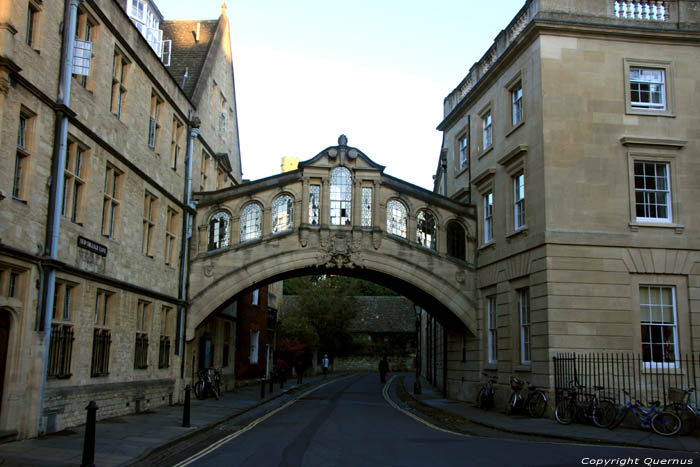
x=374, y=70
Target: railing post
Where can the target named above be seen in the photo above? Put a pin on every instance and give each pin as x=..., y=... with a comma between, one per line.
x=89, y=442
x=186, y=409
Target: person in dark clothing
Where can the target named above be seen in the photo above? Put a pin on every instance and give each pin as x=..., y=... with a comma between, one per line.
x=383, y=370
x=299, y=368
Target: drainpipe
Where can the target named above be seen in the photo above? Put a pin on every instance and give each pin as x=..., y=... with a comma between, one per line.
x=56, y=186
x=193, y=133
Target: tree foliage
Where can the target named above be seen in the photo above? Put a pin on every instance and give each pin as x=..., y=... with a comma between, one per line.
x=321, y=317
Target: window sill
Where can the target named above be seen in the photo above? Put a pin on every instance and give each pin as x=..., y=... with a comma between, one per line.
x=491, y=365
x=486, y=151
x=650, y=113
x=462, y=171
x=515, y=127
x=634, y=226
x=523, y=367
x=490, y=244
x=522, y=230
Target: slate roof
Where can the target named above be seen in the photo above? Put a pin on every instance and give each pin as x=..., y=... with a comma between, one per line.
x=376, y=314
x=188, y=54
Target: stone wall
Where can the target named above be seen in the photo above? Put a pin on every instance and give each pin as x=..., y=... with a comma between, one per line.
x=371, y=363
x=65, y=407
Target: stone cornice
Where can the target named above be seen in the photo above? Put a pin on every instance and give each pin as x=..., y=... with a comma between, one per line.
x=642, y=141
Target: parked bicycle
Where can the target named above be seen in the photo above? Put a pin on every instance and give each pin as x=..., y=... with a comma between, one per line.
x=484, y=398
x=209, y=383
x=578, y=405
x=683, y=405
x=534, y=403
x=664, y=423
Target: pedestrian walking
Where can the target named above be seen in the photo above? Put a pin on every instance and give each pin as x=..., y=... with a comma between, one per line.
x=324, y=365
x=299, y=368
x=383, y=370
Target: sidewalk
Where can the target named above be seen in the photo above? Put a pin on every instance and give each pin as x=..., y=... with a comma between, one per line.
x=494, y=419
x=123, y=440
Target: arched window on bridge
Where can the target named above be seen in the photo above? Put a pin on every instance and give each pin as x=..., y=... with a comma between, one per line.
x=219, y=231
x=251, y=222
x=282, y=213
x=456, y=241
x=396, y=219
x=426, y=230
x=341, y=196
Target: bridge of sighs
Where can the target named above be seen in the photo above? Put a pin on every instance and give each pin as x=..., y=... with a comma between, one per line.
x=338, y=213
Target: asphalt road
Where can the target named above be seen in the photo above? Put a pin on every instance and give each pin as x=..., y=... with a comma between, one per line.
x=353, y=422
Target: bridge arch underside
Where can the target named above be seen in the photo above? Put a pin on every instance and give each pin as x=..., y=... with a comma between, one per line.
x=442, y=287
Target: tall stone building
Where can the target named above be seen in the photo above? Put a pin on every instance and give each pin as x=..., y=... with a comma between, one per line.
x=576, y=137
x=98, y=164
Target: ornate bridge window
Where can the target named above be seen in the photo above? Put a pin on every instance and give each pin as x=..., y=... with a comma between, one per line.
x=341, y=196
x=426, y=231
x=251, y=222
x=366, y=207
x=314, y=204
x=219, y=231
x=282, y=213
x=456, y=241
x=396, y=219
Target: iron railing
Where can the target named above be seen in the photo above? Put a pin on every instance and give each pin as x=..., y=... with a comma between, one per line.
x=164, y=352
x=100, y=352
x=141, y=352
x=625, y=371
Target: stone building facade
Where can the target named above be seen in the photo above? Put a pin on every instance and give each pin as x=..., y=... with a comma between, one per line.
x=576, y=137
x=138, y=139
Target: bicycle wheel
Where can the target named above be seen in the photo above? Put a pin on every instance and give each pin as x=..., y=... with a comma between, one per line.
x=565, y=411
x=604, y=414
x=511, y=404
x=481, y=398
x=666, y=424
x=619, y=417
x=536, y=404
x=199, y=389
x=686, y=415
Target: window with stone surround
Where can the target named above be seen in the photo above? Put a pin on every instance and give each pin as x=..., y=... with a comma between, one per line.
x=204, y=171
x=31, y=36
x=524, y=314
x=516, y=100
x=164, y=346
x=10, y=281
x=111, y=201
x=61, y=342
x=150, y=212
x=426, y=230
x=456, y=241
x=120, y=72
x=492, y=322
x=659, y=324
x=176, y=143
x=463, y=145
x=396, y=218
x=486, y=130
x=102, y=338
x=251, y=222
x=219, y=230
x=519, y=200
x=652, y=190
x=488, y=216
x=86, y=30
x=649, y=87
x=74, y=181
x=341, y=196
x=282, y=213
x=314, y=204
x=143, y=311
x=367, y=206
x=154, y=120
x=171, y=225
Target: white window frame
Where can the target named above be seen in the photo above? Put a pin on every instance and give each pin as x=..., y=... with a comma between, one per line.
x=463, y=152
x=251, y=218
x=519, y=200
x=664, y=108
x=645, y=79
x=487, y=129
x=516, y=96
x=646, y=301
x=492, y=322
x=488, y=216
x=644, y=191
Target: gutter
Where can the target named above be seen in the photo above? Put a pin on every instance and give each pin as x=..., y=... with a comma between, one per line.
x=56, y=189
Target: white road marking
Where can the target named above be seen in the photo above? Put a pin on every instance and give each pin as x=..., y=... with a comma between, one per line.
x=214, y=446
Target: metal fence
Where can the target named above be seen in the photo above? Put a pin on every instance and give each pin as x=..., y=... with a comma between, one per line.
x=625, y=371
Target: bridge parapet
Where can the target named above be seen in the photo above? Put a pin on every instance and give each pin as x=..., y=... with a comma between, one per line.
x=338, y=211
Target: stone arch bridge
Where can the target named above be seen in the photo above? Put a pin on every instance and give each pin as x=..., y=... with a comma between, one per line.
x=338, y=213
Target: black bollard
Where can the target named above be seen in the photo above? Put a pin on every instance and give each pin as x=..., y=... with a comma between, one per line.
x=89, y=443
x=262, y=388
x=186, y=409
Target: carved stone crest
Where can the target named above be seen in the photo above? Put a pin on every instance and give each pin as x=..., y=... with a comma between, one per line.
x=337, y=252
x=208, y=270
x=303, y=237
x=376, y=239
x=460, y=276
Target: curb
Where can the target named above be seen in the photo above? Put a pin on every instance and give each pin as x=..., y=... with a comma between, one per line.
x=582, y=440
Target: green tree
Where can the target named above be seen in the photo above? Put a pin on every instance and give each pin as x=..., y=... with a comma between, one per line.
x=322, y=314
